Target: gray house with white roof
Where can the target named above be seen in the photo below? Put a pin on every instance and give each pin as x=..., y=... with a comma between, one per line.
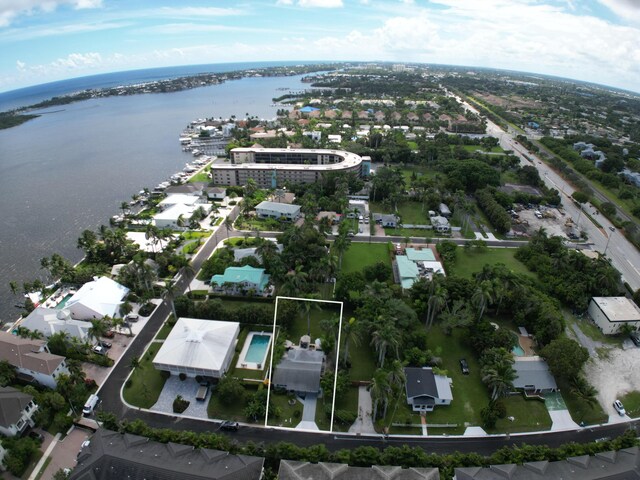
x=299, y=371
x=278, y=210
x=533, y=375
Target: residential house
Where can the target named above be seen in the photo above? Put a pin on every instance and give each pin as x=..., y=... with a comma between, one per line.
x=357, y=208
x=611, y=313
x=191, y=189
x=49, y=321
x=215, y=193
x=444, y=210
x=440, y=224
x=533, y=376
x=97, y=299
x=16, y=411
x=109, y=455
x=278, y=210
x=32, y=360
x=389, y=220
x=425, y=389
x=622, y=464
x=242, y=279
x=296, y=470
x=299, y=370
x=408, y=272
x=334, y=138
x=197, y=347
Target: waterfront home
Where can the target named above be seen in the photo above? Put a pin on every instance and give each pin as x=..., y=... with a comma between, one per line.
x=197, y=347
x=32, y=360
x=16, y=411
x=241, y=280
x=97, y=299
x=49, y=321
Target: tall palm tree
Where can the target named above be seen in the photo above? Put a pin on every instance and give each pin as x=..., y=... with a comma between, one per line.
x=352, y=336
x=384, y=337
x=436, y=303
x=97, y=329
x=397, y=380
x=188, y=272
x=294, y=282
x=499, y=378
x=228, y=225
x=380, y=391
x=169, y=293
x=582, y=389
x=309, y=305
x=482, y=296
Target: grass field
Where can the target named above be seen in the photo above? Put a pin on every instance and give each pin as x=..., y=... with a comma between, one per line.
x=163, y=333
x=529, y=416
x=360, y=255
x=580, y=410
x=362, y=360
x=410, y=212
x=145, y=383
x=470, y=262
x=631, y=402
x=290, y=414
x=216, y=409
x=474, y=148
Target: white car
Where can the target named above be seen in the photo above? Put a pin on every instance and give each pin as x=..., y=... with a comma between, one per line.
x=619, y=408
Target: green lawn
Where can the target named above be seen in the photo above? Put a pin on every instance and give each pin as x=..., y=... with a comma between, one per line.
x=411, y=232
x=363, y=360
x=409, y=211
x=291, y=411
x=348, y=403
x=474, y=148
x=360, y=255
x=318, y=312
x=591, y=330
x=145, y=383
x=217, y=409
x=470, y=262
x=580, y=410
x=529, y=416
x=419, y=170
x=163, y=333
x=631, y=402
x=200, y=177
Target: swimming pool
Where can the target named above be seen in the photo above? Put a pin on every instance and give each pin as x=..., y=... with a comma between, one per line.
x=257, y=348
x=518, y=351
x=63, y=302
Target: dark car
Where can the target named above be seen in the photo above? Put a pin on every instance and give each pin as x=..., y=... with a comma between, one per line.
x=635, y=338
x=230, y=426
x=104, y=343
x=464, y=366
x=37, y=436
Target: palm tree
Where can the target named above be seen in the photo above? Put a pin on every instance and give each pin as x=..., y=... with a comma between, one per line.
x=380, y=390
x=188, y=272
x=170, y=290
x=397, y=380
x=385, y=336
x=152, y=233
x=228, y=224
x=499, y=376
x=97, y=329
x=134, y=363
x=352, y=335
x=436, y=302
x=294, y=282
x=583, y=390
x=309, y=305
x=482, y=296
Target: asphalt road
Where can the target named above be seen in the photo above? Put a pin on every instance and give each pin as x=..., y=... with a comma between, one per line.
x=109, y=392
x=607, y=240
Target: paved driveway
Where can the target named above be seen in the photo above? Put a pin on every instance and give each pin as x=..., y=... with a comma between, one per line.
x=65, y=452
x=188, y=390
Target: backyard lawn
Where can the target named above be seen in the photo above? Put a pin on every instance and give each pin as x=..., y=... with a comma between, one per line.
x=470, y=262
x=362, y=360
x=360, y=255
x=145, y=383
x=348, y=403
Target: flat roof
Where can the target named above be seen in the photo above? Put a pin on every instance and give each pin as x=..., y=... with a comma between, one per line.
x=618, y=309
x=278, y=207
x=425, y=255
x=349, y=160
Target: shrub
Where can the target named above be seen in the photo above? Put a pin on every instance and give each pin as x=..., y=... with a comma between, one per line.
x=180, y=404
x=128, y=383
x=182, y=376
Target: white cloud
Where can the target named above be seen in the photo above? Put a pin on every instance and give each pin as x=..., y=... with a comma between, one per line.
x=20, y=65
x=625, y=9
x=28, y=33
x=199, y=12
x=195, y=28
x=313, y=3
x=11, y=9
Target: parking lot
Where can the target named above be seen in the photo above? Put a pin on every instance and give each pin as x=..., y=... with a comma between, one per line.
x=551, y=219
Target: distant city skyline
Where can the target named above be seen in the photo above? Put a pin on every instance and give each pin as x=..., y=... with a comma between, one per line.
x=590, y=40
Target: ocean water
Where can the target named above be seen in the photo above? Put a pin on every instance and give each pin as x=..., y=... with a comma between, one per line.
x=69, y=170
x=32, y=95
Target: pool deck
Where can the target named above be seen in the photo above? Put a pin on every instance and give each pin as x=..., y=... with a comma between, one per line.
x=242, y=363
x=58, y=297
x=526, y=343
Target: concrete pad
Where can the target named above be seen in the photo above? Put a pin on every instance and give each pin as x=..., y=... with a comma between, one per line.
x=188, y=390
x=65, y=452
x=561, y=420
x=474, y=432
x=364, y=423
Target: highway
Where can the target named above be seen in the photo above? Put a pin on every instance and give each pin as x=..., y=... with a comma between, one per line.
x=607, y=240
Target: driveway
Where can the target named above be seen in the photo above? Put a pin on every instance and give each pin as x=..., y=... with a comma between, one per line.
x=585, y=341
x=119, y=346
x=309, y=413
x=188, y=390
x=363, y=423
x=65, y=452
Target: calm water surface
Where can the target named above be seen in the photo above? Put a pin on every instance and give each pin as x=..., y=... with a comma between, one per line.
x=70, y=170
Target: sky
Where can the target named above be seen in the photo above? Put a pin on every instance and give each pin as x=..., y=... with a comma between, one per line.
x=590, y=40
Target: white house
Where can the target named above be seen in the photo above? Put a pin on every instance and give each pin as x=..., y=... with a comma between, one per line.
x=425, y=389
x=51, y=320
x=198, y=347
x=171, y=216
x=179, y=199
x=278, y=210
x=611, y=313
x=16, y=411
x=32, y=359
x=97, y=299
x=440, y=224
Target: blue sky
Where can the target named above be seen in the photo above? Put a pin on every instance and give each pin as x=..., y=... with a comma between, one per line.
x=592, y=40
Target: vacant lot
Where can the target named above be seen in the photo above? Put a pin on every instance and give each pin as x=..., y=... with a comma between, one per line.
x=472, y=261
x=360, y=255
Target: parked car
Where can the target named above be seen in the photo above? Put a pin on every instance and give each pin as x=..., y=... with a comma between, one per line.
x=98, y=350
x=132, y=317
x=229, y=426
x=37, y=436
x=464, y=366
x=619, y=408
x=104, y=344
x=635, y=338
x=109, y=334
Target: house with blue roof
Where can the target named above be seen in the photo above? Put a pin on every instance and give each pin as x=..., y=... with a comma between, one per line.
x=238, y=280
x=416, y=264
x=308, y=109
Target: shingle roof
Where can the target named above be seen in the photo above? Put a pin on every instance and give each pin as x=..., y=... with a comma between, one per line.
x=533, y=371
x=621, y=465
x=422, y=381
x=12, y=403
x=294, y=470
x=299, y=370
x=114, y=455
x=28, y=354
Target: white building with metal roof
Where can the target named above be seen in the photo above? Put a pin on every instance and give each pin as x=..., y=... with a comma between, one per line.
x=611, y=313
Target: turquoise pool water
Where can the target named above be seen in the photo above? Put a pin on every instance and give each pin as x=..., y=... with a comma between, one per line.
x=64, y=301
x=518, y=351
x=257, y=348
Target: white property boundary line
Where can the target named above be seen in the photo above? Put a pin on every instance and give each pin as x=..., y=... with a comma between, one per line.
x=273, y=347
